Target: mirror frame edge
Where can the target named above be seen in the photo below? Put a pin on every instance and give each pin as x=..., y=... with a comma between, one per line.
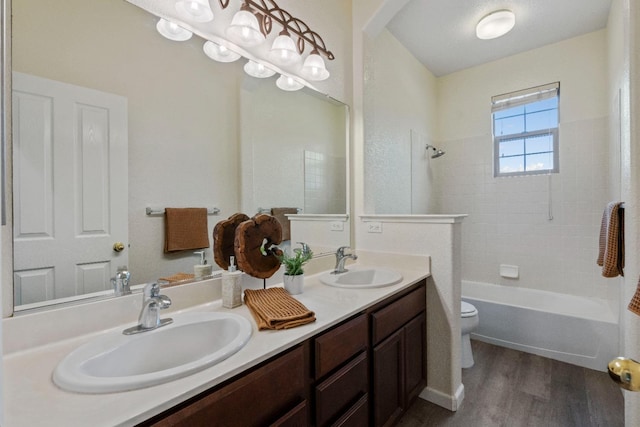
x=6, y=234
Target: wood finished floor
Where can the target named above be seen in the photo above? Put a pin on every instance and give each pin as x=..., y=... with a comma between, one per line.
x=510, y=388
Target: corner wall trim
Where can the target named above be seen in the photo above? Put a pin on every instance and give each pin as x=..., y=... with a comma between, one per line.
x=447, y=401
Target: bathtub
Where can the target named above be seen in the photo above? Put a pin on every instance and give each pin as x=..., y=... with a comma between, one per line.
x=577, y=330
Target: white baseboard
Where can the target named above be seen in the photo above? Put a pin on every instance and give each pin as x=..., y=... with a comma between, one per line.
x=450, y=402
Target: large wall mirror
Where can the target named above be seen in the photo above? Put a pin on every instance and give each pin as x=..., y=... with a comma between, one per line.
x=126, y=120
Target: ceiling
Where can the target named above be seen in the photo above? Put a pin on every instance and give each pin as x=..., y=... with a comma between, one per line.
x=441, y=33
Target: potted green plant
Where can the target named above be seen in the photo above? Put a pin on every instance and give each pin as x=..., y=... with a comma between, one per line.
x=293, y=271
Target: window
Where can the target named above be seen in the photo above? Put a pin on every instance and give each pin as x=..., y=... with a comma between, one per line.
x=525, y=131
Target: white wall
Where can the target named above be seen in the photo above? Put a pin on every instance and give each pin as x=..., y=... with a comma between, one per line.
x=400, y=119
x=509, y=217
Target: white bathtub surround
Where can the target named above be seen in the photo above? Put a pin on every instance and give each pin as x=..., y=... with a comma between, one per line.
x=578, y=330
x=438, y=236
x=35, y=343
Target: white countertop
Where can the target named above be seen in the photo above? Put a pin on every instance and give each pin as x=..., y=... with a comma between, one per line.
x=32, y=399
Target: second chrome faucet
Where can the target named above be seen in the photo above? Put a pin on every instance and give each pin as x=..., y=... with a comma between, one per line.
x=341, y=258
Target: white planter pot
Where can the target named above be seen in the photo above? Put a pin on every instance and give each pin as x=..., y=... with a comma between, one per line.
x=294, y=284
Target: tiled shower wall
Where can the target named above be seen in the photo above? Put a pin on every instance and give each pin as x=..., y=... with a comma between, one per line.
x=548, y=225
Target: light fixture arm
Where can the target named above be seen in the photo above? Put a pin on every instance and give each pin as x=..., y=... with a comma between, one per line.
x=269, y=11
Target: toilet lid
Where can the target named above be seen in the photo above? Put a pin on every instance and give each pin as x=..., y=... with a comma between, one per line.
x=467, y=310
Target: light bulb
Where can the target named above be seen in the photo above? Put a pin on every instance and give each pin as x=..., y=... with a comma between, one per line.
x=314, y=68
x=219, y=53
x=172, y=31
x=196, y=10
x=288, y=83
x=255, y=69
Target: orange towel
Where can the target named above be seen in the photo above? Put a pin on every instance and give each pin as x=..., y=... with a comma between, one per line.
x=634, y=304
x=185, y=228
x=611, y=248
x=274, y=308
x=281, y=216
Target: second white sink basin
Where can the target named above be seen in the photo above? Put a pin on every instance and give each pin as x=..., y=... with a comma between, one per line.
x=362, y=277
x=115, y=362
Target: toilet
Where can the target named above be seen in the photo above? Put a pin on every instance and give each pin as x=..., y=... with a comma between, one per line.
x=468, y=323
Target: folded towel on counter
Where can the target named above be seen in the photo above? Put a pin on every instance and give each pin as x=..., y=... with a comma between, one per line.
x=274, y=308
x=185, y=228
x=178, y=277
x=634, y=304
x=281, y=215
x=611, y=248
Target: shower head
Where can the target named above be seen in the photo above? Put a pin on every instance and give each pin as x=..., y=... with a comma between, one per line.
x=438, y=152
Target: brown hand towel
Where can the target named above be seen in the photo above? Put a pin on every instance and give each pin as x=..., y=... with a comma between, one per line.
x=611, y=247
x=178, y=277
x=634, y=304
x=185, y=228
x=274, y=308
x=281, y=216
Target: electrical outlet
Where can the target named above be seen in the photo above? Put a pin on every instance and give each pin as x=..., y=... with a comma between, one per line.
x=336, y=226
x=374, y=227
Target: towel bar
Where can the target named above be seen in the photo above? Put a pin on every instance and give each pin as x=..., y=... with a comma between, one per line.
x=160, y=211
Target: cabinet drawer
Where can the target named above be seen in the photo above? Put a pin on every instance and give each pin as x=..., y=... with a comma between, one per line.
x=395, y=315
x=356, y=416
x=340, y=391
x=298, y=416
x=335, y=347
x=256, y=399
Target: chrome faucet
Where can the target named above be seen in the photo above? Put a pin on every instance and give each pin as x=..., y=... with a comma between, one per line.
x=121, y=282
x=341, y=257
x=152, y=303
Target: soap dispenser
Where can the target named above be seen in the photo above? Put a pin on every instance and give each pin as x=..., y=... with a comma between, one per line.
x=203, y=269
x=231, y=286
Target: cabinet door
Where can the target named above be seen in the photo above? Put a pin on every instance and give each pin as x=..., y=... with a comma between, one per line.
x=415, y=358
x=388, y=379
x=262, y=397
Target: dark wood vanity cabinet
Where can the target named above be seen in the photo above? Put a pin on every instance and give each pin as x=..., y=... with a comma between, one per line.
x=341, y=372
x=398, y=333
x=275, y=393
x=364, y=371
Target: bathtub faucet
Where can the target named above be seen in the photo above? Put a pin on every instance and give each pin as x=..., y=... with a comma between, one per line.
x=341, y=257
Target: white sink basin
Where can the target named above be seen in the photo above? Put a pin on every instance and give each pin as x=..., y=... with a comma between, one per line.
x=115, y=362
x=362, y=277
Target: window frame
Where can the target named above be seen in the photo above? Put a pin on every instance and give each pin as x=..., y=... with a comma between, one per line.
x=518, y=98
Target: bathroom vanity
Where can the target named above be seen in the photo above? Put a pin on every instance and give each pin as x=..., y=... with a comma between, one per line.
x=352, y=364
x=326, y=380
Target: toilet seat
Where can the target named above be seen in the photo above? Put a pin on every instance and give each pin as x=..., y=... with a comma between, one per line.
x=467, y=310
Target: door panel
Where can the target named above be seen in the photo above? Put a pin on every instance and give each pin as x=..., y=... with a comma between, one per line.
x=70, y=188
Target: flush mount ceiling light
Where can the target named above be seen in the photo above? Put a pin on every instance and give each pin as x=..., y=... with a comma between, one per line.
x=173, y=31
x=255, y=69
x=495, y=24
x=219, y=52
x=196, y=10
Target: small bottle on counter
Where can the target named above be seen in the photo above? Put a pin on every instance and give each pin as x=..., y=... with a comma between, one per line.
x=231, y=286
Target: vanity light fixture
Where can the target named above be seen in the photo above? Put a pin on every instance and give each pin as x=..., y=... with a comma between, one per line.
x=495, y=24
x=250, y=27
x=173, y=31
x=245, y=28
x=196, y=10
x=288, y=83
x=314, y=68
x=219, y=52
x=255, y=69
x=284, y=50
